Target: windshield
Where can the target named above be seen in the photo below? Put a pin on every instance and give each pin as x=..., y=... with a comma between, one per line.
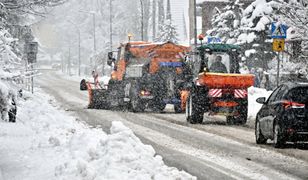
x=218, y=63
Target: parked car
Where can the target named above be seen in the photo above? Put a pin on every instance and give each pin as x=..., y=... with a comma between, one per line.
x=284, y=115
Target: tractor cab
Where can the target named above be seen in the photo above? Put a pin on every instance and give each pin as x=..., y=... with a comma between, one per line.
x=218, y=87
x=217, y=58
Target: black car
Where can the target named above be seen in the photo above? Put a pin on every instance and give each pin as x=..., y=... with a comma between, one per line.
x=284, y=115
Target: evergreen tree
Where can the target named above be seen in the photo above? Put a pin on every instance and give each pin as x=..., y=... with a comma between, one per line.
x=226, y=22
x=254, y=37
x=168, y=31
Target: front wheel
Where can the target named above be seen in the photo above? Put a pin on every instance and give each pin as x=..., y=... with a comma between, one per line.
x=279, y=139
x=194, y=114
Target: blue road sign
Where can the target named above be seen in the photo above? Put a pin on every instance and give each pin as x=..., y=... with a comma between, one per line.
x=279, y=30
x=213, y=40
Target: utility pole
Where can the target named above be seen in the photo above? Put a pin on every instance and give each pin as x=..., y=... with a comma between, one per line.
x=154, y=19
x=110, y=23
x=79, y=46
x=141, y=4
x=195, y=24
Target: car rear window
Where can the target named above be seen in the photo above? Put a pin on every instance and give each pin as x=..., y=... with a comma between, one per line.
x=299, y=94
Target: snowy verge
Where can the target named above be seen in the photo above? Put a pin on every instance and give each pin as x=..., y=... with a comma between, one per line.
x=46, y=143
x=253, y=94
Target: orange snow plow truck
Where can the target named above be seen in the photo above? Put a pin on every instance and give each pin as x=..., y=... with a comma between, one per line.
x=145, y=75
x=217, y=87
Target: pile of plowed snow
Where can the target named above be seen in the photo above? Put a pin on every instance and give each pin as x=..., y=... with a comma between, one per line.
x=47, y=143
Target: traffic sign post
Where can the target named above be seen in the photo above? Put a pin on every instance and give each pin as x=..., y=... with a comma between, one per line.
x=278, y=45
x=31, y=49
x=279, y=34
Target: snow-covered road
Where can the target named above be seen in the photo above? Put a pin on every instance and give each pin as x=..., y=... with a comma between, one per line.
x=209, y=151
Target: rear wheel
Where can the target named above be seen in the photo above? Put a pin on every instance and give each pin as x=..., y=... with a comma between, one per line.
x=178, y=108
x=230, y=120
x=194, y=113
x=242, y=118
x=279, y=138
x=260, y=139
x=159, y=107
x=137, y=105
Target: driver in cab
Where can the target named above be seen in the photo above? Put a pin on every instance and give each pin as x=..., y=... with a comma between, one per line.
x=217, y=66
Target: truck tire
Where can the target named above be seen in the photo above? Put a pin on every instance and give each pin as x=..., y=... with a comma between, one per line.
x=194, y=113
x=137, y=105
x=178, y=108
x=230, y=120
x=157, y=105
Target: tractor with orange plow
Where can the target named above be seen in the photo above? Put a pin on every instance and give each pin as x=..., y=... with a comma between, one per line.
x=218, y=87
x=145, y=75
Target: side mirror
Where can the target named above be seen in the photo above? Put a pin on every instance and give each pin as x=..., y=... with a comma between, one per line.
x=83, y=85
x=110, y=59
x=261, y=100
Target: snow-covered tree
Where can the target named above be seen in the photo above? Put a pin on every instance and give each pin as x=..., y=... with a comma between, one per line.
x=226, y=22
x=254, y=37
x=167, y=32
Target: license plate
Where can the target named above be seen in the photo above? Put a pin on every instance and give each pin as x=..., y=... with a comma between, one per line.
x=146, y=97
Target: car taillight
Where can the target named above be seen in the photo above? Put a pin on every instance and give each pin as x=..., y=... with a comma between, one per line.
x=291, y=104
x=145, y=93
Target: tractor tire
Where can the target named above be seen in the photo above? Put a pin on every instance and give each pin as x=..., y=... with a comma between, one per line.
x=194, y=113
x=242, y=118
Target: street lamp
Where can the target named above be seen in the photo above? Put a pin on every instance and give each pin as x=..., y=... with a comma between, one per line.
x=78, y=30
x=141, y=4
x=94, y=25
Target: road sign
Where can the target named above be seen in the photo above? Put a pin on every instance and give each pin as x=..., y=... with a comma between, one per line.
x=211, y=40
x=278, y=45
x=279, y=30
x=28, y=37
x=32, y=47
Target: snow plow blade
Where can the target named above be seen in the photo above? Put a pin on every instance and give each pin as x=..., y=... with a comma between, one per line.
x=222, y=80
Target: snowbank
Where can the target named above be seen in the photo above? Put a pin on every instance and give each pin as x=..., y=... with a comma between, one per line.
x=46, y=143
x=253, y=94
